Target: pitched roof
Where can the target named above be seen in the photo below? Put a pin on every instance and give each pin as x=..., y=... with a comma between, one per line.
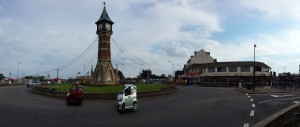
x=104, y=17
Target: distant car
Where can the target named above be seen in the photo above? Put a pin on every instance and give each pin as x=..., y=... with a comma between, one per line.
x=74, y=95
x=32, y=83
x=127, y=98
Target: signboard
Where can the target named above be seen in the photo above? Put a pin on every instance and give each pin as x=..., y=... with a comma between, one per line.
x=198, y=74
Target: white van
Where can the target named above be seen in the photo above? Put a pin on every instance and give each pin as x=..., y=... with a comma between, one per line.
x=127, y=98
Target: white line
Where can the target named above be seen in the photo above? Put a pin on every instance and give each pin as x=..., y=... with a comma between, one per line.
x=246, y=125
x=253, y=105
x=274, y=95
x=252, y=113
x=296, y=102
x=249, y=96
x=251, y=100
x=285, y=99
x=265, y=101
x=288, y=95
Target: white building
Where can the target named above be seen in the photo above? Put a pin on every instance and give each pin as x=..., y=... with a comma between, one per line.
x=202, y=67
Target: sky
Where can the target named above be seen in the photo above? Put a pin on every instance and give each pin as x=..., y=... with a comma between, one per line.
x=41, y=35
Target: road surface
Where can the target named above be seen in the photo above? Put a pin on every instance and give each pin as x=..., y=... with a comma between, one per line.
x=190, y=106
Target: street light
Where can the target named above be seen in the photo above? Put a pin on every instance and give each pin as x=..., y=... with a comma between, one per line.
x=84, y=71
x=253, y=84
x=140, y=76
x=18, y=71
x=172, y=67
x=123, y=67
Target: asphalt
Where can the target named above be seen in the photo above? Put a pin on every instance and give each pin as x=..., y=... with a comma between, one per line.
x=269, y=101
x=190, y=106
x=268, y=89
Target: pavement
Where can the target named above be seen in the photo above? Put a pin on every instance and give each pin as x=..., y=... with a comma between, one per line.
x=268, y=89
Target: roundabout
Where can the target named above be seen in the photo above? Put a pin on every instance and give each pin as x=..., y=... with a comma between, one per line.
x=190, y=106
x=105, y=92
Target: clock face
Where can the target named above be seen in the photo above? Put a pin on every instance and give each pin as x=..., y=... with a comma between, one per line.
x=100, y=27
x=107, y=26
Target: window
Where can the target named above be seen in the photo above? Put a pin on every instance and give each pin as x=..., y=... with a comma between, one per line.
x=211, y=69
x=245, y=68
x=258, y=69
x=232, y=69
x=221, y=69
x=203, y=70
x=128, y=91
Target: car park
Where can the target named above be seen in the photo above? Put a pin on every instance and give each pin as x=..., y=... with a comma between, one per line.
x=127, y=98
x=75, y=95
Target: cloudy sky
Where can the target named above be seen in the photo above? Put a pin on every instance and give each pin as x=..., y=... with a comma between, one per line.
x=47, y=34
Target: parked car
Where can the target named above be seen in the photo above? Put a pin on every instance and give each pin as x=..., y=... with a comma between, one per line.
x=74, y=95
x=127, y=98
x=32, y=83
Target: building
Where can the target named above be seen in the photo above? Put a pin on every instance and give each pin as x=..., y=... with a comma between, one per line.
x=104, y=73
x=201, y=67
x=200, y=57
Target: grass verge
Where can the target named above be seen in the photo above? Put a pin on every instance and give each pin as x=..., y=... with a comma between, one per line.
x=141, y=87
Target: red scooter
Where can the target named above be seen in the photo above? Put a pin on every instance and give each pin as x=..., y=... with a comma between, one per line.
x=74, y=95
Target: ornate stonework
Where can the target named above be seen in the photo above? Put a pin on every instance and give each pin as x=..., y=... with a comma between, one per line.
x=104, y=73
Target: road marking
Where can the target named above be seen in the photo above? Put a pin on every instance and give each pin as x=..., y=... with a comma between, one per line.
x=251, y=100
x=283, y=95
x=264, y=101
x=285, y=99
x=253, y=105
x=296, y=102
x=249, y=96
x=246, y=125
x=252, y=113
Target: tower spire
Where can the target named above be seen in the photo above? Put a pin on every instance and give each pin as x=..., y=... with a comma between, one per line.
x=104, y=16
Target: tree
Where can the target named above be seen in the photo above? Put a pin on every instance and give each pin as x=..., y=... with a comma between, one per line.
x=1, y=76
x=28, y=77
x=35, y=77
x=148, y=74
x=145, y=74
x=120, y=74
x=163, y=76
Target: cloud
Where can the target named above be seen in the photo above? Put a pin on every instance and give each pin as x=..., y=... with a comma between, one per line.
x=46, y=34
x=279, y=9
x=4, y=21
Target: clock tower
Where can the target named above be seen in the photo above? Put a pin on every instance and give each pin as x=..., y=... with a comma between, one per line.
x=104, y=73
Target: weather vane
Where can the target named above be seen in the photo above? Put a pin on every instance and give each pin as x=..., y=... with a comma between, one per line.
x=104, y=3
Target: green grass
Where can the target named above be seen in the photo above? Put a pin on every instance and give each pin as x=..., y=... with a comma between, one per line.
x=141, y=87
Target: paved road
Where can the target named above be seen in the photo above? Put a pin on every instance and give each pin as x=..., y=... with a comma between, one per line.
x=191, y=106
x=268, y=104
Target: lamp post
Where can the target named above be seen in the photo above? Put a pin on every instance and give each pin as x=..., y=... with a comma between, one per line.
x=172, y=68
x=140, y=76
x=253, y=84
x=84, y=71
x=123, y=67
x=18, y=71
